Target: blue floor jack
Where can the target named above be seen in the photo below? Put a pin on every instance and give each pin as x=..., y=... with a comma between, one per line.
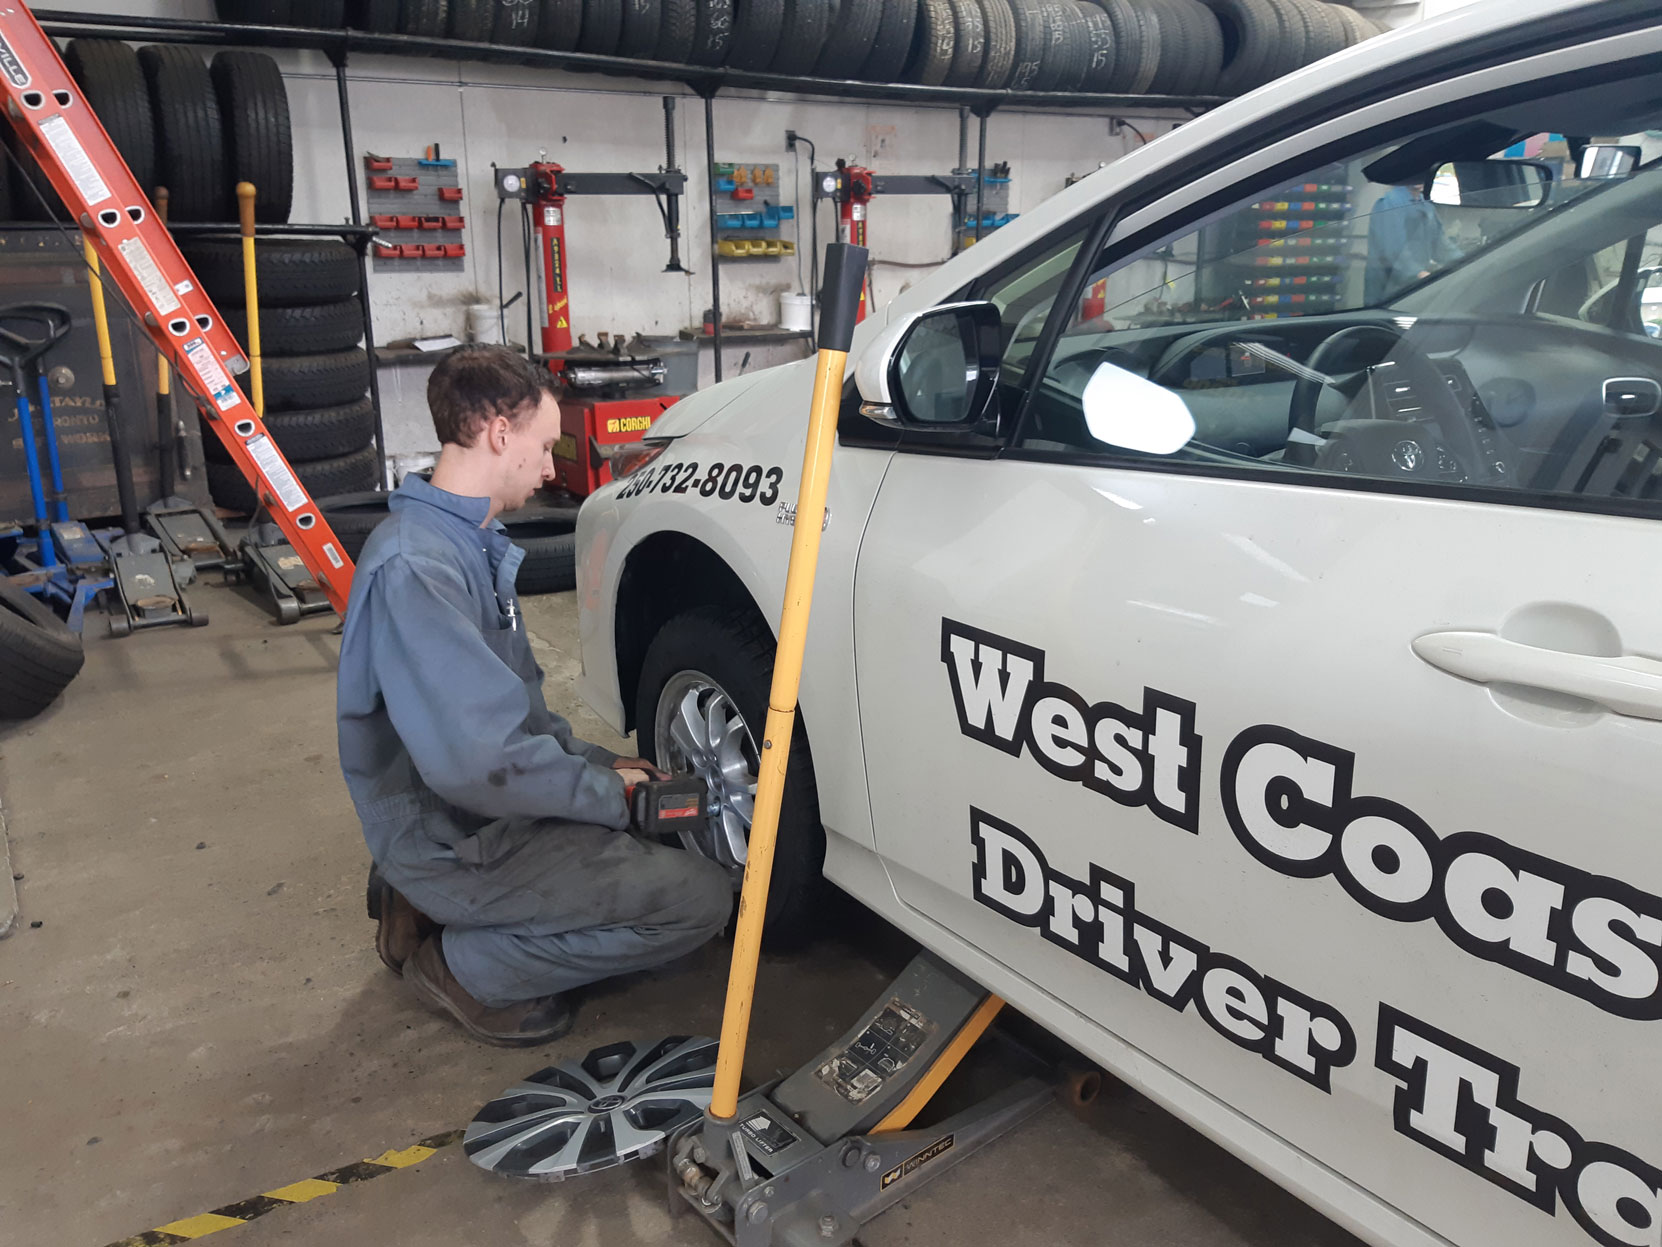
x=63, y=562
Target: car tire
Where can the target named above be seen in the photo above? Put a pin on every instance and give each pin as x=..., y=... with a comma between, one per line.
x=111, y=79
x=560, y=25
x=850, y=42
x=353, y=517
x=305, y=330
x=516, y=24
x=290, y=273
x=378, y=17
x=733, y=652
x=1358, y=26
x=318, y=14
x=934, y=43
x=893, y=42
x=677, y=31
x=713, y=36
x=299, y=382
x=190, y=134
x=471, y=21
x=1031, y=36
x=998, y=56
x=322, y=478
x=1251, y=29
x=256, y=12
x=259, y=145
x=425, y=19
x=642, y=22
x=307, y=436
x=548, y=535
x=1328, y=31
x=802, y=39
x=1068, y=47
x=602, y=27
x=757, y=27
x=1130, y=44
x=969, y=43
x=1099, y=71
x=39, y=655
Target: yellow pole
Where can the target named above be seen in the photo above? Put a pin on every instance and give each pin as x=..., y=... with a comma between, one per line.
x=251, y=292
x=845, y=268
x=100, y=318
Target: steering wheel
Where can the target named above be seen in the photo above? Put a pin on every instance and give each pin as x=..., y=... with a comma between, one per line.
x=1437, y=403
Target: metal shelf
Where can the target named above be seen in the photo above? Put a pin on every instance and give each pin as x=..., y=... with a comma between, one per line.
x=706, y=82
x=702, y=80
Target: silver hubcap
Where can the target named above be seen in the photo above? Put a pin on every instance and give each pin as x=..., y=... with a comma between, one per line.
x=698, y=729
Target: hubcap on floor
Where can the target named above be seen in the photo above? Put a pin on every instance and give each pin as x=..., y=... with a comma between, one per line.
x=699, y=730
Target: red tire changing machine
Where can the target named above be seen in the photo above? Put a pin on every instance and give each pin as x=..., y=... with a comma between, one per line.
x=602, y=406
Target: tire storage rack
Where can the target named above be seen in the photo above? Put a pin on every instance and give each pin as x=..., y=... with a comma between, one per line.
x=1263, y=36
x=198, y=127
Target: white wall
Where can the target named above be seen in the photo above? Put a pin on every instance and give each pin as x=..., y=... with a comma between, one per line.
x=481, y=113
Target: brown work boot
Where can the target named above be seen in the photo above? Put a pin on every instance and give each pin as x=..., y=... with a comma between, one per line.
x=519, y=1025
x=400, y=925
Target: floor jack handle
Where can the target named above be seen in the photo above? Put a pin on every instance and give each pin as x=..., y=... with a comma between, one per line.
x=251, y=292
x=845, y=271
x=122, y=455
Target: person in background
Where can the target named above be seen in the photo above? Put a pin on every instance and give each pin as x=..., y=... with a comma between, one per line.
x=1406, y=242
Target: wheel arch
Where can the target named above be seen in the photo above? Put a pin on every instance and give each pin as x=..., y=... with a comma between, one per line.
x=665, y=575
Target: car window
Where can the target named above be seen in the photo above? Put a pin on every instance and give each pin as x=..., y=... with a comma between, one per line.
x=1024, y=295
x=1471, y=307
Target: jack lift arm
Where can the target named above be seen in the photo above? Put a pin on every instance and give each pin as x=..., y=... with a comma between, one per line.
x=53, y=122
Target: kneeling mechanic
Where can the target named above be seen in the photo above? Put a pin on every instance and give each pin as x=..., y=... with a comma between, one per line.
x=505, y=874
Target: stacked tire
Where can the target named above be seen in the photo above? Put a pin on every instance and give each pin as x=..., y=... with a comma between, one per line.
x=315, y=373
x=195, y=127
x=548, y=535
x=39, y=655
x=1119, y=47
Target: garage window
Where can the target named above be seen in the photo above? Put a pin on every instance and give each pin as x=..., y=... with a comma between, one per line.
x=1474, y=308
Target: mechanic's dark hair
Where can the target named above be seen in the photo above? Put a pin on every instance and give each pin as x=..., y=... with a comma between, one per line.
x=476, y=383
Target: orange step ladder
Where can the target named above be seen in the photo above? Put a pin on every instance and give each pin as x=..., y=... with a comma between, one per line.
x=51, y=119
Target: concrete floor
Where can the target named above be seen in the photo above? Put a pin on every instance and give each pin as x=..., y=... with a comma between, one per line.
x=199, y=1015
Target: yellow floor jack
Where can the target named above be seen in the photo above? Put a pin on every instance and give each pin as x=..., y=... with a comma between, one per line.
x=808, y=1160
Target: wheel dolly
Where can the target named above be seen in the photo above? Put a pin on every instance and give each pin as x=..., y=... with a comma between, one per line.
x=806, y=1161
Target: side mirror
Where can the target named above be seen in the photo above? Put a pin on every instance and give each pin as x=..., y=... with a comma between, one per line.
x=934, y=370
x=1607, y=160
x=1133, y=413
x=1491, y=184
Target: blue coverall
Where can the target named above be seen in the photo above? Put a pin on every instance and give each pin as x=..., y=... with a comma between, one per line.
x=477, y=802
x=1405, y=239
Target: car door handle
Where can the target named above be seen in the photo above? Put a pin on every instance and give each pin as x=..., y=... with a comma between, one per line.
x=1626, y=684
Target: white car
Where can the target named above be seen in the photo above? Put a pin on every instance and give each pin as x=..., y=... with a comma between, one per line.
x=1236, y=635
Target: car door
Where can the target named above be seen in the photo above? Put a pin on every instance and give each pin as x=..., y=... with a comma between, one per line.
x=1300, y=765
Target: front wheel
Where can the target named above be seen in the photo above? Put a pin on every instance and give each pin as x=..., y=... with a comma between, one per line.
x=700, y=709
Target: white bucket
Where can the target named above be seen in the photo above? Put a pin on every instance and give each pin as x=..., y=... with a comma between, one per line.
x=483, y=323
x=796, y=311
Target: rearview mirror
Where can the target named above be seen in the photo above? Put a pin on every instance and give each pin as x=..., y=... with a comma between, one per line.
x=934, y=370
x=1124, y=410
x=1607, y=160
x=1491, y=184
